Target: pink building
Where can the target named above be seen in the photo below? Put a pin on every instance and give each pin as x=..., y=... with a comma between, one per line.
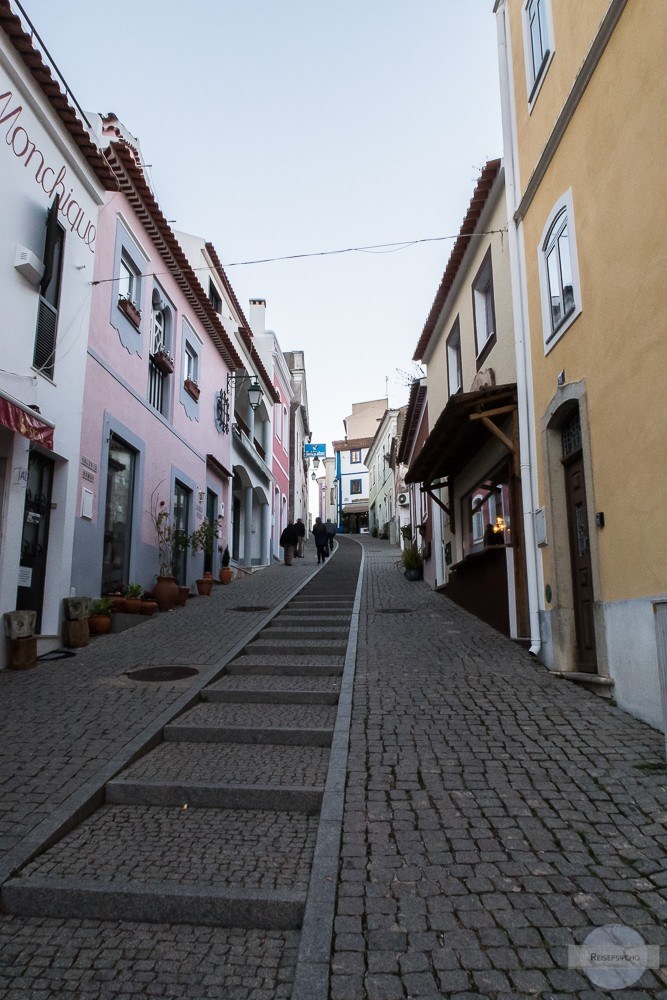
x=154, y=410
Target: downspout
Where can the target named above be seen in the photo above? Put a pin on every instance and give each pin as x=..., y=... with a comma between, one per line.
x=519, y=307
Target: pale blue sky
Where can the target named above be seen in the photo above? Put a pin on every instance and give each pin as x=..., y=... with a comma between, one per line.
x=279, y=127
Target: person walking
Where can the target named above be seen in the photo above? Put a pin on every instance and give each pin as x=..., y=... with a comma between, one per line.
x=288, y=540
x=331, y=533
x=300, y=529
x=321, y=539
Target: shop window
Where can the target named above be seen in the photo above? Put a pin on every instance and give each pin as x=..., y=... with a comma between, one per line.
x=49, y=294
x=486, y=511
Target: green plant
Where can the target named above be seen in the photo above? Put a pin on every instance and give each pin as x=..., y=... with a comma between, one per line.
x=134, y=590
x=411, y=559
x=374, y=531
x=204, y=537
x=406, y=532
x=101, y=606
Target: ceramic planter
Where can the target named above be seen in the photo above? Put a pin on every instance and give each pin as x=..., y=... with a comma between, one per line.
x=130, y=310
x=191, y=388
x=165, y=592
x=99, y=624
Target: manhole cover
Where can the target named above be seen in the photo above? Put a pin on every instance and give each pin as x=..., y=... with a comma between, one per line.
x=393, y=611
x=162, y=673
x=250, y=607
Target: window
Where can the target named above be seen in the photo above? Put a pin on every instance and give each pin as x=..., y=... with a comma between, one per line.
x=161, y=361
x=191, y=365
x=355, y=456
x=538, y=45
x=355, y=487
x=49, y=294
x=454, y=372
x=214, y=298
x=285, y=428
x=483, y=310
x=130, y=264
x=559, y=273
x=278, y=420
x=128, y=281
x=486, y=512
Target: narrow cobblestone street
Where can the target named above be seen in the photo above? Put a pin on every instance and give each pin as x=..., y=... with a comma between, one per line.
x=494, y=814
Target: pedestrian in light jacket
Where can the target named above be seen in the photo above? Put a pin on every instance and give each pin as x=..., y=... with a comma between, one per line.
x=300, y=529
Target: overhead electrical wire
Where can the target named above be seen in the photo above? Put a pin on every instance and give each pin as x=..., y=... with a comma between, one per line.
x=372, y=248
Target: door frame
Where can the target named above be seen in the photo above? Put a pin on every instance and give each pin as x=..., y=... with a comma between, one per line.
x=563, y=653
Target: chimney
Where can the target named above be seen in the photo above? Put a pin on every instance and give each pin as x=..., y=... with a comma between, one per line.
x=257, y=316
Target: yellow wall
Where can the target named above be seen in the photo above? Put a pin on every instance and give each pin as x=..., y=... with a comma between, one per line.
x=575, y=24
x=502, y=356
x=613, y=159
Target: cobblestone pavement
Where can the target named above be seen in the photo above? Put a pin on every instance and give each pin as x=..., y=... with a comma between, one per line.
x=65, y=720
x=494, y=814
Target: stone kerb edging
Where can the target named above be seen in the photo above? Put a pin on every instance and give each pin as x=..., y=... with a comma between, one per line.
x=311, y=977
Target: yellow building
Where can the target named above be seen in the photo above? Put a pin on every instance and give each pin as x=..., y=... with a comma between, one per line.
x=584, y=95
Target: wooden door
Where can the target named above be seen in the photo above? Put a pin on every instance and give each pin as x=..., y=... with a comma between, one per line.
x=580, y=558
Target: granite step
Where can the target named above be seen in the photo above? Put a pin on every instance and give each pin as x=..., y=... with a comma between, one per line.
x=302, y=647
x=297, y=633
x=287, y=665
x=224, y=867
x=274, y=690
x=295, y=725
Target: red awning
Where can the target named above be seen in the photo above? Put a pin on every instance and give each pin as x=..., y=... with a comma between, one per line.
x=27, y=424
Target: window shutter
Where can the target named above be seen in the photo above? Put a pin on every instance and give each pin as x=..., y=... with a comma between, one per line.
x=45, y=338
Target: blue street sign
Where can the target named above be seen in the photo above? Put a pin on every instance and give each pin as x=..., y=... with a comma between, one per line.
x=315, y=450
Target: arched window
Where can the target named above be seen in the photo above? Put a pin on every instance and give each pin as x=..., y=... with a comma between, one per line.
x=559, y=273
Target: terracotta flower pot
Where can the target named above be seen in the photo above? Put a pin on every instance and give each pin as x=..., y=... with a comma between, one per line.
x=99, y=624
x=183, y=594
x=133, y=605
x=205, y=586
x=165, y=592
x=148, y=607
x=226, y=574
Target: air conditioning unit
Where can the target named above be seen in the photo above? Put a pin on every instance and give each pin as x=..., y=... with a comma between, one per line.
x=27, y=264
x=403, y=499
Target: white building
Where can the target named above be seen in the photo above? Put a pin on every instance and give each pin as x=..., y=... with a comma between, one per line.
x=249, y=425
x=299, y=434
x=53, y=183
x=382, y=481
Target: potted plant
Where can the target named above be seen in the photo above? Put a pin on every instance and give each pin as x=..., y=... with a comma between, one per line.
x=226, y=571
x=165, y=590
x=99, y=621
x=133, y=594
x=192, y=388
x=413, y=563
x=132, y=311
x=203, y=539
x=163, y=361
x=148, y=604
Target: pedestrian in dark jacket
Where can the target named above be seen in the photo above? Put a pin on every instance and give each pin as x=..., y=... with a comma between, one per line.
x=331, y=533
x=321, y=540
x=300, y=537
x=288, y=540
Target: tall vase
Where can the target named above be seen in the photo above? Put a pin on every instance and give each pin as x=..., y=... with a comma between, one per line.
x=165, y=592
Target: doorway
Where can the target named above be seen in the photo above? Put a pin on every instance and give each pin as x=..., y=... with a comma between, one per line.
x=35, y=536
x=118, y=516
x=583, y=598
x=181, y=521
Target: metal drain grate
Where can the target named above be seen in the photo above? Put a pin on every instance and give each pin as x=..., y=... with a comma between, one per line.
x=393, y=611
x=158, y=674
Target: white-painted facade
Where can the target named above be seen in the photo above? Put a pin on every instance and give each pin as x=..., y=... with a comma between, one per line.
x=41, y=384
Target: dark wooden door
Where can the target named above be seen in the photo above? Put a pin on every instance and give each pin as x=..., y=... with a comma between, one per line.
x=35, y=537
x=580, y=558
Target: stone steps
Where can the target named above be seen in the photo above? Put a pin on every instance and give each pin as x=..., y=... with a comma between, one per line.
x=274, y=689
x=229, y=867
x=300, y=725
x=310, y=666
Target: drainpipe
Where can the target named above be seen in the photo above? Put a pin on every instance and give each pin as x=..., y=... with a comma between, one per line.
x=521, y=333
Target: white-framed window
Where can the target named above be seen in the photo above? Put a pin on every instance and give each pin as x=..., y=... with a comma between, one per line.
x=454, y=369
x=285, y=427
x=161, y=359
x=44, y=354
x=278, y=420
x=191, y=365
x=484, y=313
x=538, y=44
x=559, y=272
x=128, y=281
